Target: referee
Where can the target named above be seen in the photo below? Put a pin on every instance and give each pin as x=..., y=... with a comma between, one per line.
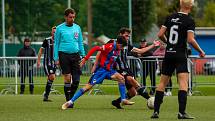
x=68, y=47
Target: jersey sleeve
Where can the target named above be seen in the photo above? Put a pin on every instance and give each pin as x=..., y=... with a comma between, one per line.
x=90, y=53
x=166, y=22
x=44, y=43
x=191, y=26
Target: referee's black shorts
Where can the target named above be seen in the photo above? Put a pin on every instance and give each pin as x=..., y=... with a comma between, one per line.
x=69, y=63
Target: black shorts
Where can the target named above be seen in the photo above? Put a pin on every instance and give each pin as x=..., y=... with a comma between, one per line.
x=126, y=74
x=69, y=63
x=169, y=66
x=49, y=69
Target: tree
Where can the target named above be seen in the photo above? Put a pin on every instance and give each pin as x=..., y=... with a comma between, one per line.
x=144, y=16
x=28, y=17
x=208, y=19
x=109, y=16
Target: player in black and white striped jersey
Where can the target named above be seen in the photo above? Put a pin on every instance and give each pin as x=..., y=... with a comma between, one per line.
x=48, y=62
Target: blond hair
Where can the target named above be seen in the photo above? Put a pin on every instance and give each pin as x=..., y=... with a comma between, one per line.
x=186, y=3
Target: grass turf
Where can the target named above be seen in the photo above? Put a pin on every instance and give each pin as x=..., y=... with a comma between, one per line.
x=203, y=85
x=98, y=108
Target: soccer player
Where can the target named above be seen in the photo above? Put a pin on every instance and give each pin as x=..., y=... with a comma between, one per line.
x=109, y=52
x=48, y=62
x=179, y=28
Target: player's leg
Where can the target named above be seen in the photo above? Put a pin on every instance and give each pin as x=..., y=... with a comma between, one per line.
x=140, y=89
x=65, y=64
x=79, y=93
x=131, y=93
x=76, y=72
x=121, y=84
x=183, y=76
x=96, y=78
x=49, y=83
x=67, y=85
x=167, y=70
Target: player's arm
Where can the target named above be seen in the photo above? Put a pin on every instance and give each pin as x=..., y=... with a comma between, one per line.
x=39, y=56
x=161, y=34
x=195, y=45
x=56, y=45
x=90, y=53
x=145, y=49
x=96, y=62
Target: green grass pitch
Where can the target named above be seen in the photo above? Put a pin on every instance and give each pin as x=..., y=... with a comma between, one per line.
x=98, y=108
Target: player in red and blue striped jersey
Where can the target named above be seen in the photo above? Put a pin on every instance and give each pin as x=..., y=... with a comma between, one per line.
x=104, y=70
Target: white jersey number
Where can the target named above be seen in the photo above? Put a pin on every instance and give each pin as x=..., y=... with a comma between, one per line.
x=173, y=37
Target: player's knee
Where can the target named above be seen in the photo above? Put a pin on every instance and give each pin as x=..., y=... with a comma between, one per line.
x=51, y=77
x=67, y=78
x=132, y=92
x=161, y=87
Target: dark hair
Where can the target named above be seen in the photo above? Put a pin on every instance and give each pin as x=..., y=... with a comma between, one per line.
x=121, y=40
x=123, y=30
x=26, y=40
x=68, y=11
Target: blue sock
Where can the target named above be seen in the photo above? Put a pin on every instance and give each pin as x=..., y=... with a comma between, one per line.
x=77, y=94
x=122, y=90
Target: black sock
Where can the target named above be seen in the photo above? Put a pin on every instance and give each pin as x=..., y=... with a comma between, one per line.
x=48, y=88
x=182, y=100
x=118, y=100
x=141, y=91
x=158, y=100
x=73, y=89
x=67, y=87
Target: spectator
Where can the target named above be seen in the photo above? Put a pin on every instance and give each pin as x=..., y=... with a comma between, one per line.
x=26, y=66
x=149, y=65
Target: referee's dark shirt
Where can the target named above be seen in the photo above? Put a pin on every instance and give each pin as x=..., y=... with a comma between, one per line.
x=48, y=53
x=178, y=24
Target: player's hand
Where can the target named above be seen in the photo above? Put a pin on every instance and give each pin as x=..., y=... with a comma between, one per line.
x=83, y=61
x=136, y=50
x=202, y=54
x=156, y=43
x=38, y=64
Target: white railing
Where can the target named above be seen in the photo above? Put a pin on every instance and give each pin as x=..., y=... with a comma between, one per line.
x=10, y=68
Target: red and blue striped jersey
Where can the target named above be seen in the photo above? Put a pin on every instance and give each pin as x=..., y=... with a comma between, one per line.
x=108, y=55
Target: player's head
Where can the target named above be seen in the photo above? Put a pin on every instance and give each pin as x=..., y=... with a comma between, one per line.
x=125, y=32
x=186, y=4
x=69, y=15
x=53, y=31
x=121, y=42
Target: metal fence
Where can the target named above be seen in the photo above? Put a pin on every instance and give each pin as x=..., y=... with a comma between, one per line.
x=146, y=71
